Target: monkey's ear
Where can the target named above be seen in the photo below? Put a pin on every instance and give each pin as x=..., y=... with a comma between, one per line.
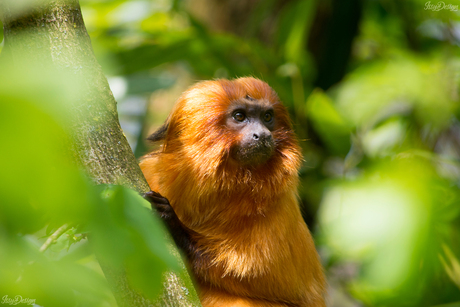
x=160, y=134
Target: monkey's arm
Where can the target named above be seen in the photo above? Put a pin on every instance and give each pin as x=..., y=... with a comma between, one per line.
x=183, y=236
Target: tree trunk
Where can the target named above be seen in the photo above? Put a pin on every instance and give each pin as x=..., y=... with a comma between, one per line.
x=57, y=39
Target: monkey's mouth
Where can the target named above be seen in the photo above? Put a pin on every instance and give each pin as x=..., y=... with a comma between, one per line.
x=253, y=153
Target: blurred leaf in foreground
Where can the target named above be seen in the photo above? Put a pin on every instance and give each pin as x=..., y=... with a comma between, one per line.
x=387, y=222
x=41, y=187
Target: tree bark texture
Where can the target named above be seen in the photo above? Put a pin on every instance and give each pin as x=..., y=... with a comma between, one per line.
x=57, y=37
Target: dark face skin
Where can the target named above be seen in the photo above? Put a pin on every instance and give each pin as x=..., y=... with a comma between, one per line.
x=254, y=121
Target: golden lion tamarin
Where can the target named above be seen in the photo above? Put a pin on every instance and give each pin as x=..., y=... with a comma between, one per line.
x=229, y=167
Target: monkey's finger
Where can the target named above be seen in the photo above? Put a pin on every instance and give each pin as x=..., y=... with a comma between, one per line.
x=154, y=197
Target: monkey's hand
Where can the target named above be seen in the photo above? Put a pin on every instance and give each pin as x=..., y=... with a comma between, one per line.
x=161, y=205
x=181, y=234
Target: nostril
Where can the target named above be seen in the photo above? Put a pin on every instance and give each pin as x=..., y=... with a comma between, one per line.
x=255, y=136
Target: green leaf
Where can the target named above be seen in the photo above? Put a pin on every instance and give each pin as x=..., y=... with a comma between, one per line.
x=298, y=34
x=328, y=123
x=124, y=231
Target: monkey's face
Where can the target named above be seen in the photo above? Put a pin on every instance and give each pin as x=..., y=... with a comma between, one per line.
x=241, y=122
x=252, y=121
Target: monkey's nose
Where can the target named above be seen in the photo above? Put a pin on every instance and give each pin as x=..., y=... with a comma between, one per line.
x=262, y=137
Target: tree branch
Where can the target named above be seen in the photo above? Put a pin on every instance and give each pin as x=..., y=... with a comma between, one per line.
x=54, y=237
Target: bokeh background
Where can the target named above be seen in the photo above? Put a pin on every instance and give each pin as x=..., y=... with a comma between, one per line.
x=373, y=91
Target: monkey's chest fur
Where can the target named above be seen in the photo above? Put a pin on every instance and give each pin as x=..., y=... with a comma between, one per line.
x=268, y=254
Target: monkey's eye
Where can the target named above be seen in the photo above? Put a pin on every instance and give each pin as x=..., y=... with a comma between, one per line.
x=268, y=117
x=239, y=116
x=248, y=97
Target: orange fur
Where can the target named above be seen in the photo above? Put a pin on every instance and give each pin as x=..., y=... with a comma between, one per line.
x=257, y=250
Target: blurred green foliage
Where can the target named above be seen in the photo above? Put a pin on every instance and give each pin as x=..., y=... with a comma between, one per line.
x=373, y=90
x=49, y=207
